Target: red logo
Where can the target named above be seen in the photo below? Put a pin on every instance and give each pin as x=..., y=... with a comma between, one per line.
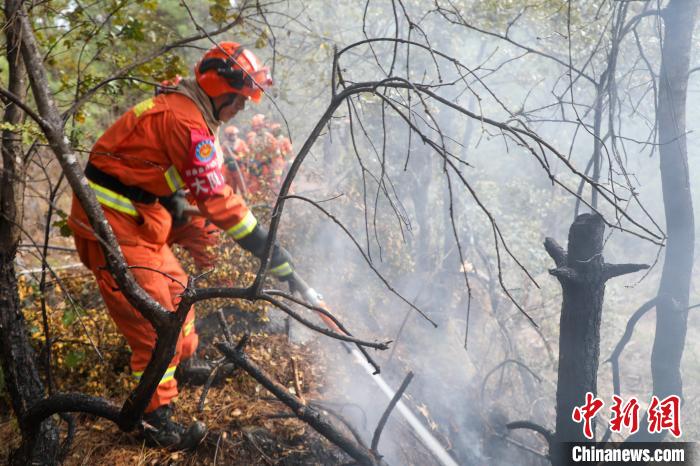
x=586, y=412
x=662, y=415
x=665, y=415
x=627, y=415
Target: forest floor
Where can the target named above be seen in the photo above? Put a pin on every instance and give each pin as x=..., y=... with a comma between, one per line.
x=247, y=425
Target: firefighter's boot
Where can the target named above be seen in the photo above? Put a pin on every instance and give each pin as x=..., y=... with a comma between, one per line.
x=161, y=431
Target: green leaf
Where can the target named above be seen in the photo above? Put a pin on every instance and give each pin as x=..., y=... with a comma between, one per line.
x=69, y=317
x=62, y=225
x=74, y=358
x=217, y=13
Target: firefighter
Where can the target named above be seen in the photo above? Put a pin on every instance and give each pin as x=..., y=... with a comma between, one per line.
x=234, y=150
x=161, y=145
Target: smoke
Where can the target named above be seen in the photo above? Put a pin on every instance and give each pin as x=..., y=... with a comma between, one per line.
x=390, y=190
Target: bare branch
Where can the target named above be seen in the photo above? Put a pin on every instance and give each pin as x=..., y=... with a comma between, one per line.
x=385, y=416
x=546, y=433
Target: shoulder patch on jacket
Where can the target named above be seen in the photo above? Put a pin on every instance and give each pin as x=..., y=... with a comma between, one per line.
x=203, y=168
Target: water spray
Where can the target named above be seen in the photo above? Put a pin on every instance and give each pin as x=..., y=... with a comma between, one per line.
x=430, y=442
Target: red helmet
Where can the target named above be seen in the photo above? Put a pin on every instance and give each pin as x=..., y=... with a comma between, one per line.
x=229, y=68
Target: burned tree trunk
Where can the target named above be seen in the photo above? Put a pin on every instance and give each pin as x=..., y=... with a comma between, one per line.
x=672, y=306
x=582, y=273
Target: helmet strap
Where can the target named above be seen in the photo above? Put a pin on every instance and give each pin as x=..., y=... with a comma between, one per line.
x=230, y=98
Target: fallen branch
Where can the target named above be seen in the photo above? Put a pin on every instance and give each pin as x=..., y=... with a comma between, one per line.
x=340, y=418
x=297, y=381
x=544, y=432
x=306, y=413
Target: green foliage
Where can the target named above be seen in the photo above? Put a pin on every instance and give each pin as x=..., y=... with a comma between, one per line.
x=74, y=358
x=218, y=11
x=62, y=224
x=69, y=316
x=86, y=44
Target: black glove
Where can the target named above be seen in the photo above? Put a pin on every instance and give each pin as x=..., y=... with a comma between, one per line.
x=280, y=262
x=176, y=205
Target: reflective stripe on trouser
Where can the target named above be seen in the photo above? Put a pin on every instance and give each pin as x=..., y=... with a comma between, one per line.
x=244, y=227
x=113, y=200
x=282, y=270
x=138, y=331
x=167, y=376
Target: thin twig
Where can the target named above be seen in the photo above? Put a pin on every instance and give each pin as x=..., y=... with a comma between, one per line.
x=387, y=411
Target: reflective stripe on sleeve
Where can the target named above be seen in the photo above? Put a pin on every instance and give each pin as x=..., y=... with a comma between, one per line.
x=167, y=377
x=282, y=270
x=113, y=200
x=244, y=227
x=173, y=178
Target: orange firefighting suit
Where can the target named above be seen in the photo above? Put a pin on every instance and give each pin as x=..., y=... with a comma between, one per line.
x=162, y=144
x=197, y=236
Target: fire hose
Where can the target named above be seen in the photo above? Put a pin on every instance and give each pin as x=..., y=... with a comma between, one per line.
x=360, y=357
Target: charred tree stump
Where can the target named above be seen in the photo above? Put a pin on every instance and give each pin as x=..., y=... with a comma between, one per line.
x=582, y=273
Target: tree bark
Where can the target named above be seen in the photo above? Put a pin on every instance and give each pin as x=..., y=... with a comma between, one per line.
x=16, y=354
x=582, y=273
x=672, y=315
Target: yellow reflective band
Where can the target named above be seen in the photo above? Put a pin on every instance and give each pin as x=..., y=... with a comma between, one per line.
x=143, y=106
x=282, y=270
x=244, y=227
x=167, y=377
x=187, y=329
x=113, y=200
x=173, y=178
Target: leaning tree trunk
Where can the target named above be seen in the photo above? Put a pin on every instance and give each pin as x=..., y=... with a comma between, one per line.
x=16, y=354
x=582, y=273
x=672, y=308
